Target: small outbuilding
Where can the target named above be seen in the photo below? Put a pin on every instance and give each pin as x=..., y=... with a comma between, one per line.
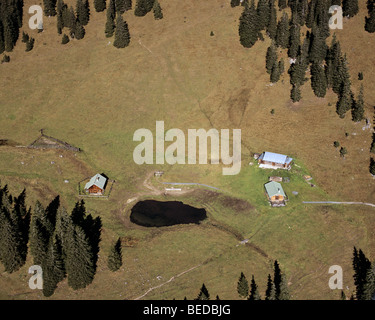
x=275, y=194
x=96, y=185
x=270, y=160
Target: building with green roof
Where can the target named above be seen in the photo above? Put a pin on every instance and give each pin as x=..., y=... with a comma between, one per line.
x=275, y=194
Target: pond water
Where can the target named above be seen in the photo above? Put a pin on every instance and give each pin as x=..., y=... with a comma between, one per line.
x=152, y=213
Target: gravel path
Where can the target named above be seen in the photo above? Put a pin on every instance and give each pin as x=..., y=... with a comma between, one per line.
x=336, y=202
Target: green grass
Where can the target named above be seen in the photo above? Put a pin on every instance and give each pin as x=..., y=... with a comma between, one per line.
x=94, y=97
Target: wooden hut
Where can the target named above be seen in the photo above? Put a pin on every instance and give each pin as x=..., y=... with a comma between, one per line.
x=96, y=185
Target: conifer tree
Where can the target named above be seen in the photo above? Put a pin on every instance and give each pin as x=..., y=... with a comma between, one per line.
x=30, y=44
x=122, y=36
x=254, y=292
x=234, y=3
x=242, y=286
x=282, y=33
x=271, y=57
x=369, y=285
x=272, y=23
x=360, y=265
x=142, y=7
x=282, y=4
x=128, y=4
x=275, y=73
x=49, y=7
x=203, y=293
x=120, y=6
x=115, y=256
x=39, y=234
x=294, y=40
x=318, y=80
x=79, y=261
x=295, y=93
x=284, y=291
x=53, y=267
x=372, y=166
x=270, y=291
x=60, y=21
x=2, y=44
x=248, y=26
x=318, y=50
x=83, y=12
x=358, y=107
x=345, y=101
x=350, y=8
x=65, y=39
x=370, y=20
x=263, y=12
x=158, y=13
x=110, y=24
x=100, y=5
x=79, y=31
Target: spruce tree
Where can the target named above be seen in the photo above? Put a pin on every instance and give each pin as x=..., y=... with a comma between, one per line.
x=248, y=27
x=318, y=50
x=369, y=285
x=64, y=39
x=318, y=80
x=120, y=6
x=10, y=243
x=358, y=107
x=39, y=234
x=110, y=24
x=294, y=40
x=100, y=5
x=271, y=290
x=158, y=14
x=350, y=8
x=79, y=261
x=272, y=23
x=295, y=94
x=263, y=12
x=271, y=57
x=242, y=286
x=60, y=21
x=2, y=44
x=115, y=256
x=254, y=292
x=284, y=291
x=53, y=267
x=282, y=4
x=79, y=31
x=122, y=36
x=142, y=7
x=83, y=12
x=49, y=7
x=128, y=5
x=234, y=3
x=275, y=73
x=203, y=293
x=370, y=20
x=360, y=265
x=282, y=33
x=372, y=166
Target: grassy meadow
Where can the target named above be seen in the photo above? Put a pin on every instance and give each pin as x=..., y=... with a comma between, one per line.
x=95, y=97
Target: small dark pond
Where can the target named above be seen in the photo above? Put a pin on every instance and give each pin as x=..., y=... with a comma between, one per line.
x=152, y=213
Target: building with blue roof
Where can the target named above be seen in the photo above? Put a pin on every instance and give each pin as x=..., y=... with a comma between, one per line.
x=272, y=160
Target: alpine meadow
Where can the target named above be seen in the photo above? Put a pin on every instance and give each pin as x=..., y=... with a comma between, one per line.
x=85, y=85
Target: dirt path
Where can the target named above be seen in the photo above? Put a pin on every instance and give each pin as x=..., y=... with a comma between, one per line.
x=336, y=202
x=170, y=280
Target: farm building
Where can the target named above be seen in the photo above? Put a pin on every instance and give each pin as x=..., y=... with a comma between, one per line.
x=96, y=185
x=275, y=194
x=270, y=160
